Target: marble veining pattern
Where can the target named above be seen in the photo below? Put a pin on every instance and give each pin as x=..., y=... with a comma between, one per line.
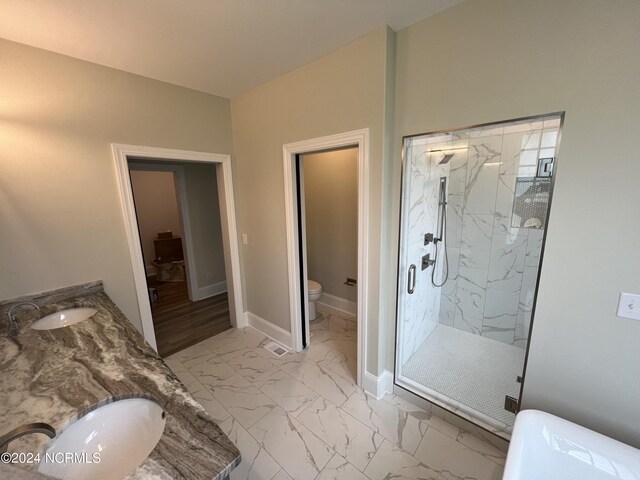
x=294, y=446
x=243, y=400
x=402, y=429
x=324, y=379
x=290, y=394
x=100, y=360
x=437, y=450
x=339, y=468
x=341, y=433
x=419, y=311
x=393, y=462
x=256, y=462
x=488, y=255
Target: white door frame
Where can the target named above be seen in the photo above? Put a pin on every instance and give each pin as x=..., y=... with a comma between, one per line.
x=185, y=220
x=359, y=139
x=121, y=155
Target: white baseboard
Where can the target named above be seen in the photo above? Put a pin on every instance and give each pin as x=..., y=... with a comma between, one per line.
x=338, y=303
x=241, y=321
x=278, y=334
x=378, y=386
x=211, y=290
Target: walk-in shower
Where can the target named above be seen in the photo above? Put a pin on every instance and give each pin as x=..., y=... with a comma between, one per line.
x=474, y=212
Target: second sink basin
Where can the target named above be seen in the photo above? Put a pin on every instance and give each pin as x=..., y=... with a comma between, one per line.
x=107, y=443
x=63, y=318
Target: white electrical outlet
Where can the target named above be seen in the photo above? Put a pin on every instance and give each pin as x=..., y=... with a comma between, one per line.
x=209, y=276
x=245, y=239
x=629, y=306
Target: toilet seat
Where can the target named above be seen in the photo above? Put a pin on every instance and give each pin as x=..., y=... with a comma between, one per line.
x=313, y=287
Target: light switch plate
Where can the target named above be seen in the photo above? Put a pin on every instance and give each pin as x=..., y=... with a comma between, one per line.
x=245, y=239
x=629, y=306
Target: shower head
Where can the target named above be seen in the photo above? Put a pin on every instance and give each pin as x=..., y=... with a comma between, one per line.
x=446, y=158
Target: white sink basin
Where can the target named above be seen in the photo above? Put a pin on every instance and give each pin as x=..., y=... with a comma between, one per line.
x=63, y=318
x=109, y=442
x=544, y=446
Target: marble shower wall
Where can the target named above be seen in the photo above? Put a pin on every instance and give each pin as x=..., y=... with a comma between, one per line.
x=493, y=265
x=419, y=312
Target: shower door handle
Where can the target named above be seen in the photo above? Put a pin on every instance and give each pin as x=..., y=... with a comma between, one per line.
x=411, y=280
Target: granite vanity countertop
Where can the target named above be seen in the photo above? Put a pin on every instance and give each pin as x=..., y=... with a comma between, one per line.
x=57, y=376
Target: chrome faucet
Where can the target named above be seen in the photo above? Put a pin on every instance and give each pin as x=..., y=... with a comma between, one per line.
x=6, y=439
x=13, y=323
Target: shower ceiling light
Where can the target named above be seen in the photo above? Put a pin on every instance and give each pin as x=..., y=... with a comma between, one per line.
x=447, y=149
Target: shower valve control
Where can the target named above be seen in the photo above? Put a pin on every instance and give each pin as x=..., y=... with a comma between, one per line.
x=428, y=238
x=426, y=261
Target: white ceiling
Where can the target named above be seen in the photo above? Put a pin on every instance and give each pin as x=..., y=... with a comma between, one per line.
x=223, y=47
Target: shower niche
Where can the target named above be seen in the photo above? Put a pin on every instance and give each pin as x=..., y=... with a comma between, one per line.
x=463, y=321
x=530, y=202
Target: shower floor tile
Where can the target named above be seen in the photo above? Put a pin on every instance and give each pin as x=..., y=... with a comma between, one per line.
x=472, y=370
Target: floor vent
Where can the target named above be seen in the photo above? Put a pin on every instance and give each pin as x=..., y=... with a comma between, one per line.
x=276, y=349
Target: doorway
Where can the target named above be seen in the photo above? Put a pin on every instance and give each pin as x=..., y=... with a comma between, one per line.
x=178, y=216
x=301, y=325
x=222, y=164
x=328, y=232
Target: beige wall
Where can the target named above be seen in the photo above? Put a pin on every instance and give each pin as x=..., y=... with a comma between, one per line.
x=206, y=229
x=156, y=208
x=60, y=211
x=331, y=205
x=488, y=60
x=340, y=92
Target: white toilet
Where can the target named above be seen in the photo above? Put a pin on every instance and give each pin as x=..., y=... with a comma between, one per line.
x=315, y=290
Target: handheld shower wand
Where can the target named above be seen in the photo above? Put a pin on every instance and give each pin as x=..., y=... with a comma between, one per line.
x=441, y=234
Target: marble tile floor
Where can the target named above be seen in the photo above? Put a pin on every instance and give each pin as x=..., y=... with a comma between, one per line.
x=301, y=416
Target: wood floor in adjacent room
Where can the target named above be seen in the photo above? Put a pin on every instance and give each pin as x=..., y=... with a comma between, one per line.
x=180, y=323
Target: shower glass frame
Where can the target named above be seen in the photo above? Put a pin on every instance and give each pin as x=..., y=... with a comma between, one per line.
x=398, y=381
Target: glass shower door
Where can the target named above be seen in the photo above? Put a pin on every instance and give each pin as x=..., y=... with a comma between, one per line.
x=474, y=211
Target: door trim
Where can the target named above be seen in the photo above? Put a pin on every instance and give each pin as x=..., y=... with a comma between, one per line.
x=121, y=155
x=359, y=139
